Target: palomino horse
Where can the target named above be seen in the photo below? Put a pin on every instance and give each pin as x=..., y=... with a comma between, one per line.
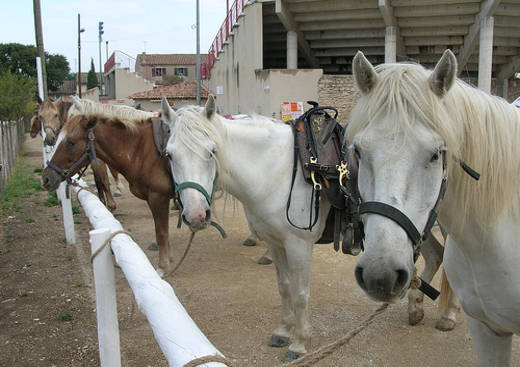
x=253, y=159
x=128, y=147
x=413, y=131
x=53, y=114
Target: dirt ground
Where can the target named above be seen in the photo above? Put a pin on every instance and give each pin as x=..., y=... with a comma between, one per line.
x=47, y=308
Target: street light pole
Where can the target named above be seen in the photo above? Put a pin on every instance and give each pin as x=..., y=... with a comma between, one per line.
x=100, y=71
x=80, y=30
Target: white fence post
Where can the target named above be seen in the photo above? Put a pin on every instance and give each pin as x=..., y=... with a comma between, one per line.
x=176, y=333
x=66, y=210
x=106, y=304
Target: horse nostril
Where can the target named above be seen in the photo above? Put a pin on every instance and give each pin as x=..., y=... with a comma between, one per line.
x=45, y=181
x=208, y=215
x=358, y=272
x=401, y=282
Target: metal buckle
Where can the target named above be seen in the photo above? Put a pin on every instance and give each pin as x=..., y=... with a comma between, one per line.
x=316, y=184
x=343, y=172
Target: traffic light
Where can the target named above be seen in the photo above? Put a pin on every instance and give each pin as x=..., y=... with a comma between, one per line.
x=101, y=29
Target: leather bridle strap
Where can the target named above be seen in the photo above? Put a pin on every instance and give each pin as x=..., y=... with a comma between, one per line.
x=198, y=187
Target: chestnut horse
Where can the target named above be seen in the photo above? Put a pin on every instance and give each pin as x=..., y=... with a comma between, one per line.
x=53, y=114
x=128, y=147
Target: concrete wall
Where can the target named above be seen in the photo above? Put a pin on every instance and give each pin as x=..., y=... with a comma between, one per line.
x=128, y=83
x=247, y=88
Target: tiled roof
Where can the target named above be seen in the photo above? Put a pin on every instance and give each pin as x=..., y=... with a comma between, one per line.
x=176, y=91
x=170, y=59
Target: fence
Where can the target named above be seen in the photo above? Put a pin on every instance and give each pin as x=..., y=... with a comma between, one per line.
x=11, y=140
x=176, y=333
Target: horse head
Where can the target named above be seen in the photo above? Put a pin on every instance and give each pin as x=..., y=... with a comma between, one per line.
x=75, y=151
x=402, y=167
x=191, y=152
x=52, y=115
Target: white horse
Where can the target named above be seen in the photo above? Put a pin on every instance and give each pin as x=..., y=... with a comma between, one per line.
x=253, y=158
x=411, y=129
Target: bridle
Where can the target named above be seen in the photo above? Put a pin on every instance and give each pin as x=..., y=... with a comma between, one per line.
x=391, y=212
x=89, y=154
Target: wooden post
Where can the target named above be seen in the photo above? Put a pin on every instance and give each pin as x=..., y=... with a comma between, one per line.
x=66, y=209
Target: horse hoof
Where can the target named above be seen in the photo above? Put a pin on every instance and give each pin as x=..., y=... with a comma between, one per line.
x=153, y=247
x=291, y=356
x=415, y=317
x=445, y=324
x=249, y=242
x=112, y=208
x=117, y=194
x=264, y=260
x=161, y=272
x=278, y=341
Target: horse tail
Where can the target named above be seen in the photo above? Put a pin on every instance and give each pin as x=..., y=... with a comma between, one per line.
x=446, y=291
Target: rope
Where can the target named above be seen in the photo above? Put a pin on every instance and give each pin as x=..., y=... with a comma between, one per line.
x=107, y=241
x=416, y=281
x=184, y=255
x=311, y=358
x=207, y=359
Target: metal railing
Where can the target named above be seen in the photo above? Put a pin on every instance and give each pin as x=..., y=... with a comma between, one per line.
x=11, y=140
x=236, y=9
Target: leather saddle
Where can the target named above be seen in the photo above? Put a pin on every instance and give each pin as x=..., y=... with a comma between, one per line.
x=321, y=153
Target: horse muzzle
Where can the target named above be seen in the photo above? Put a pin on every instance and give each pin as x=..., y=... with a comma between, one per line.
x=50, y=179
x=197, y=219
x=382, y=282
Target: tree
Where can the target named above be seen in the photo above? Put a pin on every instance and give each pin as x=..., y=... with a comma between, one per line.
x=92, y=81
x=16, y=96
x=171, y=80
x=20, y=59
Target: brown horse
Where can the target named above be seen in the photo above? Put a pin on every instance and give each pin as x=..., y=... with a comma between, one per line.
x=129, y=148
x=53, y=114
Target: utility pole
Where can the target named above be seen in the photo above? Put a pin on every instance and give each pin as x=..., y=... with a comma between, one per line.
x=39, y=42
x=100, y=70
x=197, y=63
x=106, y=44
x=80, y=30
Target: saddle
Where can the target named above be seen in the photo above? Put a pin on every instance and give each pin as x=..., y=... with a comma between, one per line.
x=318, y=140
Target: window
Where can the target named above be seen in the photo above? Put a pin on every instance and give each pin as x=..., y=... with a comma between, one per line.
x=158, y=71
x=181, y=71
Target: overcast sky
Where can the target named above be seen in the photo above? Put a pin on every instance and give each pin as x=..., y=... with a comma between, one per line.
x=132, y=26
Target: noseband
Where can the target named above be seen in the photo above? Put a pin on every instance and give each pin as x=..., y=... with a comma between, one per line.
x=89, y=154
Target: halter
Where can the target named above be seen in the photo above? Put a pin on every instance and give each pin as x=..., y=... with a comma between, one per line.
x=209, y=199
x=90, y=153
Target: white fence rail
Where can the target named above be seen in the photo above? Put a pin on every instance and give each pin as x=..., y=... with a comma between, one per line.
x=11, y=140
x=177, y=334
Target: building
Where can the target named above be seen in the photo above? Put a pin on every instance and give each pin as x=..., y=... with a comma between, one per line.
x=178, y=95
x=154, y=66
x=120, y=82
x=273, y=51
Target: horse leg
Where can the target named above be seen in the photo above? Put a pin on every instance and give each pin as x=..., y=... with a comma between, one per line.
x=117, y=182
x=282, y=334
x=432, y=252
x=266, y=258
x=492, y=349
x=103, y=185
x=252, y=240
x=448, y=304
x=299, y=260
x=159, y=207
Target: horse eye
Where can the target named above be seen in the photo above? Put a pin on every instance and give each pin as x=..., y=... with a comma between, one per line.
x=70, y=143
x=435, y=157
x=167, y=155
x=356, y=153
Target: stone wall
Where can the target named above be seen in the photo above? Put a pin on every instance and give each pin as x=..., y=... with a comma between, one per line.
x=340, y=91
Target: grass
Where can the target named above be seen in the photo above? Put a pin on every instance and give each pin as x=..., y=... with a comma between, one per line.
x=75, y=209
x=22, y=184
x=65, y=316
x=52, y=200
x=29, y=220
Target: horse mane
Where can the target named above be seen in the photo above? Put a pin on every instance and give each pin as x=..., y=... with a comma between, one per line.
x=480, y=129
x=126, y=115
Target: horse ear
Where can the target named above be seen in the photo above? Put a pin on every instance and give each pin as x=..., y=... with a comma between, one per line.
x=364, y=73
x=35, y=126
x=444, y=74
x=76, y=101
x=168, y=114
x=209, y=109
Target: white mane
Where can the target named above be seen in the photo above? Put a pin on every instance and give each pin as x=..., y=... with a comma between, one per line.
x=124, y=113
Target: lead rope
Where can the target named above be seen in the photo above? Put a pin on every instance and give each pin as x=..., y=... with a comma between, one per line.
x=314, y=357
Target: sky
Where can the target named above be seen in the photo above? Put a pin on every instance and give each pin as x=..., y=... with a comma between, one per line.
x=131, y=26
